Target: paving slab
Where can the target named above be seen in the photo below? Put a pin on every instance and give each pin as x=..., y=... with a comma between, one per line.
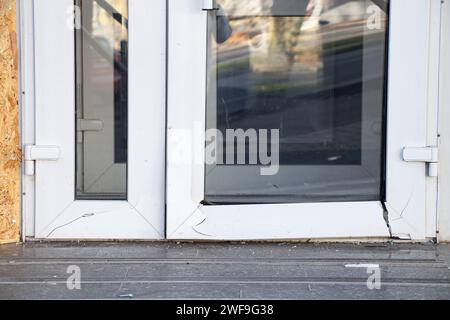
x=168, y=270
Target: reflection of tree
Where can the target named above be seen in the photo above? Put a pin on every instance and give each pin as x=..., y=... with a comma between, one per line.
x=333, y=20
x=286, y=35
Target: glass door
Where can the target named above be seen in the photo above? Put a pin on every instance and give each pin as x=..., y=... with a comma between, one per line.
x=313, y=76
x=290, y=120
x=100, y=108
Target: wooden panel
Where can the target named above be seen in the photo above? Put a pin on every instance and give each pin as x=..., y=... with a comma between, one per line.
x=10, y=153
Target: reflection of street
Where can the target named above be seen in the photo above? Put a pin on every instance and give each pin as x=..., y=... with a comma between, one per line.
x=313, y=93
x=306, y=68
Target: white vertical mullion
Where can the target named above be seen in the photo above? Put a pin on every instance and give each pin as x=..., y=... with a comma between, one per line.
x=147, y=109
x=407, y=115
x=433, y=110
x=187, y=58
x=444, y=128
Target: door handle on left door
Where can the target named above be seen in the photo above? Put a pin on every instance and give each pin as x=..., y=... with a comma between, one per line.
x=39, y=153
x=84, y=125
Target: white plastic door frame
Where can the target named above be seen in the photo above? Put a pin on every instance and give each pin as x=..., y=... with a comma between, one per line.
x=26, y=64
x=187, y=218
x=436, y=52
x=444, y=127
x=58, y=214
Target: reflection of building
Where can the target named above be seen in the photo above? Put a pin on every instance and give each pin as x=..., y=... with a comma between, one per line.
x=104, y=25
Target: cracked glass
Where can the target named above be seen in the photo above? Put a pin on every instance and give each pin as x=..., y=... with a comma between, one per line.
x=300, y=82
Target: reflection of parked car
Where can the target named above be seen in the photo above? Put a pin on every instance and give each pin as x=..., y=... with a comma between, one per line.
x=301, y=71
x=324, y=12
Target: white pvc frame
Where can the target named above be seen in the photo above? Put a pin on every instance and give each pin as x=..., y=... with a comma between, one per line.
x=411, y=66
x=187, y=218
x=26, y=59
x=443, y=223
x=57, y=214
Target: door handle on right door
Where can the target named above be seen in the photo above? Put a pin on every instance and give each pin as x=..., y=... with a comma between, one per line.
x=429, y=155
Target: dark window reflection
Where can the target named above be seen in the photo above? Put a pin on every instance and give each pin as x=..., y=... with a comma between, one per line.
x=315, y=70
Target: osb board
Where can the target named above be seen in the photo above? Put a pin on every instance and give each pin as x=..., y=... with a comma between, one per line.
x=10, y=153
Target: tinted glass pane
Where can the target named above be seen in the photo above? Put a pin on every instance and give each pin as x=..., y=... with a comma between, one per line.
x=311, y=73
x=102, y=100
